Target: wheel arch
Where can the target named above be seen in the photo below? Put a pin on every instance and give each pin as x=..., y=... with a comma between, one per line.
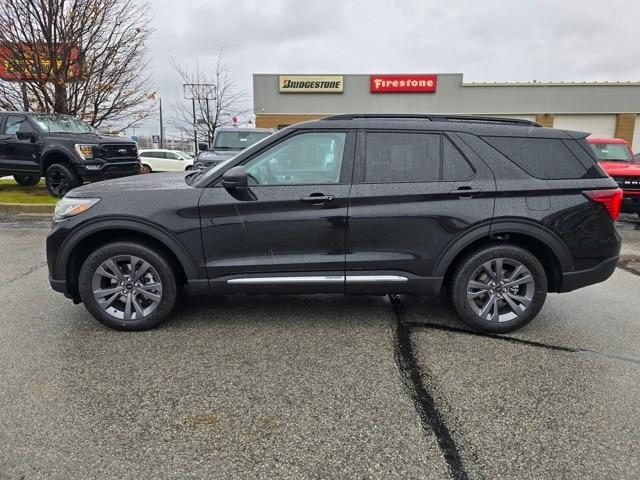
x=55, y=155
x=79, y=245
x=544, y=244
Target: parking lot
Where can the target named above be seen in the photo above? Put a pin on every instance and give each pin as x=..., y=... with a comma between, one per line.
x=316, y=386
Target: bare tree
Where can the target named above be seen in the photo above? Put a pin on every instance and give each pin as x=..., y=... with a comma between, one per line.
x=81, y=57
x=217, y=98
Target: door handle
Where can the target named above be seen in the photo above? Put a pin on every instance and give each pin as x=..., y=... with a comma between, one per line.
x=317, y=198
x=466, y=192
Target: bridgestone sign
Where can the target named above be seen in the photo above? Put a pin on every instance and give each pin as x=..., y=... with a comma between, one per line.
x=311, y=83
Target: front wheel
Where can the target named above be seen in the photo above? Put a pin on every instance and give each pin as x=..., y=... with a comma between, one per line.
x=127, y=286
x=60, y=179
x=27, y=180
x=499, y=288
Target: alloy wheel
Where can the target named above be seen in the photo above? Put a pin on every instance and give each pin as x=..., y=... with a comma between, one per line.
x=500, y=290
x=127, y=287
x=57, y=182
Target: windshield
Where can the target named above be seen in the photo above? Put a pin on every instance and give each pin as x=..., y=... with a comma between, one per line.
x=238, y=140
x=52, y=123
x=612, y=152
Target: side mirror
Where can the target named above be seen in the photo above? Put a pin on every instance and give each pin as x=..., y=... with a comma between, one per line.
x=203, y=147
x=26, y=136
x=235, y=177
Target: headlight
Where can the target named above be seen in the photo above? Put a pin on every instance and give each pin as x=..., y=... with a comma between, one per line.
x=85, y=151
x=70, y=207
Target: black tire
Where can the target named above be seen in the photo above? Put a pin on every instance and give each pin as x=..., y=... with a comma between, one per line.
x=145, y=169
x=498, y=318
x=160, y=267
x=27, y=180
x=60, y=179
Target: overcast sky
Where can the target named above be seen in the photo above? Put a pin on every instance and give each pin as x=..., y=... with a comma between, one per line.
x=486, y=40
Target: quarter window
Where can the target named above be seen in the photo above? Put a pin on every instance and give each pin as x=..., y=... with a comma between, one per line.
x=314, y=157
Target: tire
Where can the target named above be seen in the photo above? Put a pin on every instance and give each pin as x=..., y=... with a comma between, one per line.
x=144, y=169
x=508, y=308
x=152, y=303
x=27, y=180
x=60, y=179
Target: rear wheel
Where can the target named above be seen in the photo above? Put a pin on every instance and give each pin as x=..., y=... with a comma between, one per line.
x=499, y=288
x=27, y=180
x=144, y=169
x=127, y=286
x=60, y=179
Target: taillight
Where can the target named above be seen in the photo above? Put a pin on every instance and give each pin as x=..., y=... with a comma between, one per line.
x=611, y=199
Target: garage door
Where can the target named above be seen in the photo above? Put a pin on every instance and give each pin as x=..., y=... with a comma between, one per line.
x=596, y=125
x=636, y=136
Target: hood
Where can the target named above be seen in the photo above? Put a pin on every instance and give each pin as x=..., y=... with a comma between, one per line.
x=624, y=169
x=90, y=138
x=138, y=183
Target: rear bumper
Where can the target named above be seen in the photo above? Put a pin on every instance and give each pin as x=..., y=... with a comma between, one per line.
x=582, y=278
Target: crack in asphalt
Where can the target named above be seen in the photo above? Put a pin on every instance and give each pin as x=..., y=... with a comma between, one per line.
x=24, y=274
x=412, y=374
x=623, y=265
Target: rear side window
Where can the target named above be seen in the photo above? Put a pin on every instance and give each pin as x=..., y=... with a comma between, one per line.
x=544, y=158
x=402, y=157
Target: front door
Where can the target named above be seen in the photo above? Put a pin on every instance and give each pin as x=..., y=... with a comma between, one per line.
x=16, y=155
x=414, y=193
x=286, y=232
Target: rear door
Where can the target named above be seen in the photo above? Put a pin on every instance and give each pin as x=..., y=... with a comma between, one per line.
x=414, y=194
x=286, y=232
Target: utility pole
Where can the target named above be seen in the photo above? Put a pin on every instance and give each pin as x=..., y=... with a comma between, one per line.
x=161, y=127
x=195, y=127
x=209, y=139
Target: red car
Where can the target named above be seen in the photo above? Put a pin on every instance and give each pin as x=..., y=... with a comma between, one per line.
x=616, y=157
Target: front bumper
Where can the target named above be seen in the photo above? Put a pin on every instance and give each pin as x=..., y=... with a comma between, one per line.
x=93, y=172
x=583, y=278
x=630, y=202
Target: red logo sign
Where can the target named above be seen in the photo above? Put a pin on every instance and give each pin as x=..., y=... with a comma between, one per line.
x=403, y=83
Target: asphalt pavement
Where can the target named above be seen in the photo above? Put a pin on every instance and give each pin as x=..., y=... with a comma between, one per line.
x=316, y=387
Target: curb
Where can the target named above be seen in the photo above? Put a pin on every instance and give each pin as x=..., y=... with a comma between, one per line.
x=27, y=208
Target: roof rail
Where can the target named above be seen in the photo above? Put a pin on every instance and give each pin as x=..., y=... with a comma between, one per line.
x=435, y=118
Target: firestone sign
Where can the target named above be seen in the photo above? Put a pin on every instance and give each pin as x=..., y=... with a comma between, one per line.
x=403, y=83
x=311, y=83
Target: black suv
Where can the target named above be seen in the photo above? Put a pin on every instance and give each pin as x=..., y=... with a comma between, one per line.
x=64, y=150
x=497, y=212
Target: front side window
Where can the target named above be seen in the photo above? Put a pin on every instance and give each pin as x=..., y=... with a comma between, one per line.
x=172, y=156
x=402, y=157
x=307, y=158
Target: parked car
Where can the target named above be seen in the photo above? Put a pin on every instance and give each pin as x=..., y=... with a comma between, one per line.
x=161, y=160
x=497, y=212
x=229, y=141
x=616, y=157
x=64, y=150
